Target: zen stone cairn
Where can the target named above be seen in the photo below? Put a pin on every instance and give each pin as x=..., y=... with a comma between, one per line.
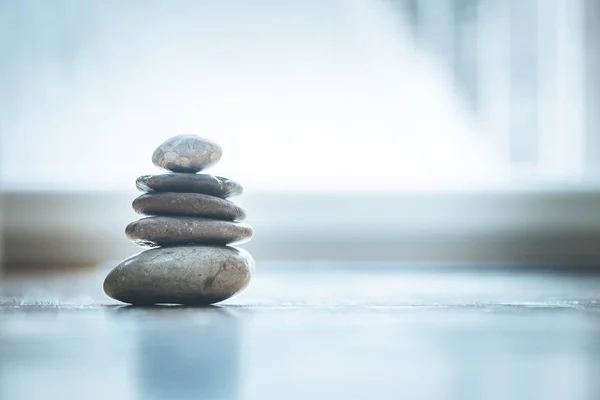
x=190, y=227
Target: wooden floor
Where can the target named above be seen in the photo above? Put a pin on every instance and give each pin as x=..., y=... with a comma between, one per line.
x=311, y=331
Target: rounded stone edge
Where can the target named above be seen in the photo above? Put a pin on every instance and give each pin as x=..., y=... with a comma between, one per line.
x=158, y=156
x=224, y=188
x=250, y=263
x=131, y=228
x=229, y=210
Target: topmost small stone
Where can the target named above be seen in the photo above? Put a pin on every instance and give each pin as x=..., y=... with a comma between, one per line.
x=187, y=153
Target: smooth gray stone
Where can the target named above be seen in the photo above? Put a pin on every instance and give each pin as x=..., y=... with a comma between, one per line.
x=187, y=153
x=169, y=231
x=195, y=275
x=189, y=183
x=188, y=204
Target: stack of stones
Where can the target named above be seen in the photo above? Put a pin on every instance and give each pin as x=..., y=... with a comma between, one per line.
x=190, y=227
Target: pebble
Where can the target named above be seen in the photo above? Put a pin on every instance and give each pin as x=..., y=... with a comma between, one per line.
x=189, y=183
x=187, y=153
x=194, y=275
x=192, y=204
x=169, y=231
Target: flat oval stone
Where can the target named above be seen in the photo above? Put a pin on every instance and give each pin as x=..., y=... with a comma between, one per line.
x=192, y=204
x=195, y=275
x=170, y=231
x=189, y=183
x=187, y=153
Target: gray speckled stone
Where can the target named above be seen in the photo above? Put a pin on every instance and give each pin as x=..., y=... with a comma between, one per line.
x=191, y=204
x=195, y=275
x=168, y=231
x=187, y=153
x=189, y=183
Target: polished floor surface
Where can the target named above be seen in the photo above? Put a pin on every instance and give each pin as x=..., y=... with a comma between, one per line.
x=311, y=331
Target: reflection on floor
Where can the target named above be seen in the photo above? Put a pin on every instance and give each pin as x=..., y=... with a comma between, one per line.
x=312, y=330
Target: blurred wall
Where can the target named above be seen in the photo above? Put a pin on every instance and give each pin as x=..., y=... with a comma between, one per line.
x=1, y=234
x=592, y=79
x=400, y=129
x=318, y=95
x=55, y=229
x=528, y=70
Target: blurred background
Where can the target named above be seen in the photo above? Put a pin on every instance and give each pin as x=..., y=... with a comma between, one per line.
x=444, y=130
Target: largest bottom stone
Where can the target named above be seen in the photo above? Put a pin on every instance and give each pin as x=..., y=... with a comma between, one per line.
x=194, y=275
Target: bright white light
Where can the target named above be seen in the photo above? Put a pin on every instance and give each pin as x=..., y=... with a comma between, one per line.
x=313, y=95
